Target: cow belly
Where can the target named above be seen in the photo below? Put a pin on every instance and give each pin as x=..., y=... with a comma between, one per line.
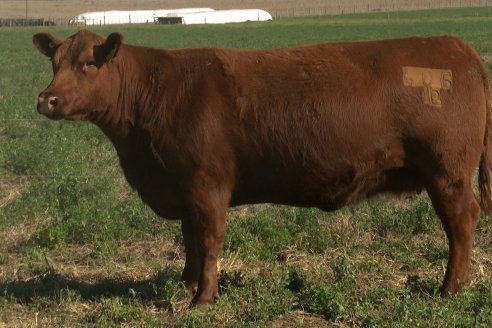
x=326, y=193
x=395, y=181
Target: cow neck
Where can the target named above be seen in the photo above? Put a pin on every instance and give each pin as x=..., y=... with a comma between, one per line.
x=136, y=69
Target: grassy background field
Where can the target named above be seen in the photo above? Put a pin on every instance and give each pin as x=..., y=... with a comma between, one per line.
x=56, y=9
x=78, y=248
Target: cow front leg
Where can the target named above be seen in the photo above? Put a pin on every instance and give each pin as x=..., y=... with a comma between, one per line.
x=209, y=197
x=191, y=272
x=210, y=230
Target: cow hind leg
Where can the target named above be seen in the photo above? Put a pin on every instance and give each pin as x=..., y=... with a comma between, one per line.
x=458, y=209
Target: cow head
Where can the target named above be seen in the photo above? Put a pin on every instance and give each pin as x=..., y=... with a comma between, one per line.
x=82, y=86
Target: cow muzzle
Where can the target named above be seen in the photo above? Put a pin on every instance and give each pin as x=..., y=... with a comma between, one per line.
x=47, y=103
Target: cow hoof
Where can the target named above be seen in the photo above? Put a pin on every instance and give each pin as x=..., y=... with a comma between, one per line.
x=445, y=294
x=447, y=291
x=202, y=302
x=202, y=307
x=192, y=290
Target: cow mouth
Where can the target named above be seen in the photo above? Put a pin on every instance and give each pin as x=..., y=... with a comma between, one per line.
x=58, y=116
x=75, y=117
x=53, y=116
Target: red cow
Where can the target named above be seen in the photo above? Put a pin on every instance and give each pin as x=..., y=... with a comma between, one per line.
x=200, y=130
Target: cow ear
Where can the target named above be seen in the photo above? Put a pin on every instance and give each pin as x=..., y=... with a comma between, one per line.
x=111, y=46
x=46, y=43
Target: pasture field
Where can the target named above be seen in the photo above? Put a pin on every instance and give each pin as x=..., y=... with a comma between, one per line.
x=78, y=248
x=57, y=9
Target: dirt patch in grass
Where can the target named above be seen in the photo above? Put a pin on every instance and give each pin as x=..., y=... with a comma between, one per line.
x=133, y=260
x=300, y=319
x=487, y=57
x=11, y=188
x=13, y=239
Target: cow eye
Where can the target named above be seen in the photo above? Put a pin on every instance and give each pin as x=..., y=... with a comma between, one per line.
x=91, y=63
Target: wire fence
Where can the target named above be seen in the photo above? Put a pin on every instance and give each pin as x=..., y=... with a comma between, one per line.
x=341, y=8
x=31, y=18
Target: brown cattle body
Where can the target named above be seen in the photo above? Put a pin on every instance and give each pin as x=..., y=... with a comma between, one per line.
x=200, y=130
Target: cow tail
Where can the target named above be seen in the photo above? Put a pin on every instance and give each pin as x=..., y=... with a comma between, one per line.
x=485, y=166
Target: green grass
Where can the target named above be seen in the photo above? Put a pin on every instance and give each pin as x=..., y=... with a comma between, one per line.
x=78, y=248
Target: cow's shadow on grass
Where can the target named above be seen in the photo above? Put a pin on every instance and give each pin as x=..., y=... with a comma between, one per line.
x=427, y=287
x=55, y=286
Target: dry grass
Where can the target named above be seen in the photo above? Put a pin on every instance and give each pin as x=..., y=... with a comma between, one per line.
x=487, y=57
x=139, y=263
x=135, y=260
x=11, y=188
x=136, y=264
x=14, y=238
x=301, y=319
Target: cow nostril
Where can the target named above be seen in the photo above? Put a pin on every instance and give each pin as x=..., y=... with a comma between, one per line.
x=53, y=101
